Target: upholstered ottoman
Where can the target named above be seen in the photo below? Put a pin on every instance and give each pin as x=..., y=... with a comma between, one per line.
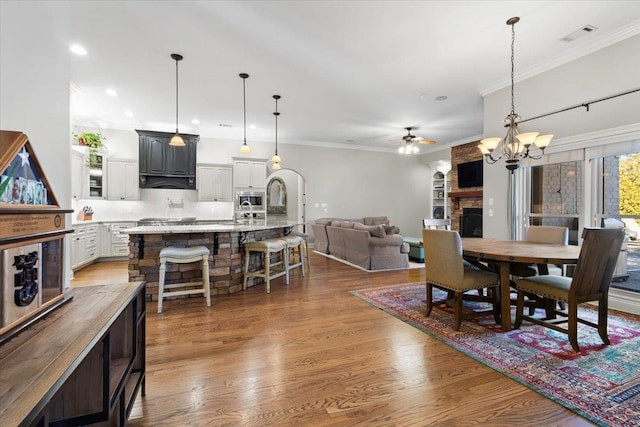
x=416, y=250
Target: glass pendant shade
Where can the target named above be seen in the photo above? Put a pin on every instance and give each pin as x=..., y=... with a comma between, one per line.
x=276, y=166
x=543, y=141
x=245, y=149
x=490, y=143
x=527, y=138
x=177, y=141
x=276, y=159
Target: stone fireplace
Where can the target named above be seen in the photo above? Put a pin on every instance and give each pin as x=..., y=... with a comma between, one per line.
x=464, y=198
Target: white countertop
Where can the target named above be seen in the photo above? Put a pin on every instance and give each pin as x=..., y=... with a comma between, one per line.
x=207, y=228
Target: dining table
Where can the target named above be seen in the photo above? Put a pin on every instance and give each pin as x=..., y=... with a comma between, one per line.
x=502, y=253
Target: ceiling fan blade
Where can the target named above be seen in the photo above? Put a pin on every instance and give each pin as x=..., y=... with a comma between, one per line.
x=426, y=141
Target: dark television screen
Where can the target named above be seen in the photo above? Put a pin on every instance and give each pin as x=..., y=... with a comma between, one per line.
x=470, y=174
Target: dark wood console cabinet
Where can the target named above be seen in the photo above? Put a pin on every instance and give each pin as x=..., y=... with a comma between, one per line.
x=81, y=365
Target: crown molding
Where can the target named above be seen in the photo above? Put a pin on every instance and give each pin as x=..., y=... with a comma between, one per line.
x=571, y=55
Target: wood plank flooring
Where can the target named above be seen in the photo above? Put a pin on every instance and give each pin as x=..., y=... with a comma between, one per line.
x=312, y=354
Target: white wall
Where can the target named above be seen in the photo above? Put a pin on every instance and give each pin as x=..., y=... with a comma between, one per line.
x=606, y=72
x=34, y=84
x=34, y=87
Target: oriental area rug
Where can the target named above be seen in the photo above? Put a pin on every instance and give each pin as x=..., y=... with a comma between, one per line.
x=601, y=383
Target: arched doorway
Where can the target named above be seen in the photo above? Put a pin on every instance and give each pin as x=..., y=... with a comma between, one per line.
x=289, y=198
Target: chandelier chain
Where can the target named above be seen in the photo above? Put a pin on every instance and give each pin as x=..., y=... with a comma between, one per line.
x=176, y=96
x=513, y=44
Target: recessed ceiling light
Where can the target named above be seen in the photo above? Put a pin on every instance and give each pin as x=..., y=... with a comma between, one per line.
x=225, y=125
x=578, y=33
x=77, y=49
x=252, y=127
x=195, y=121
x=111, y=92
x=128, y=113
x=441, y=98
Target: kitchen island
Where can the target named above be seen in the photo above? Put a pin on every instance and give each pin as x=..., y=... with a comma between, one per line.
x=224, y=241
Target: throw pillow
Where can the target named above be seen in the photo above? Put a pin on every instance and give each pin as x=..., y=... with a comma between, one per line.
x=374, y=230
x=347, y=224
x=324, y=221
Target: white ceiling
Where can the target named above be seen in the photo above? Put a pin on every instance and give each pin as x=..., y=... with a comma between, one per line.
x=349, y=72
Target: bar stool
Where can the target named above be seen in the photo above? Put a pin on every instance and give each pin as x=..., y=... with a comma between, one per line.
x=294, y=250
x=305, y=237
x=178, y=255
x=266, y=248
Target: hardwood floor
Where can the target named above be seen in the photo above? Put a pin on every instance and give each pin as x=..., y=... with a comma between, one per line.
x=312, y=354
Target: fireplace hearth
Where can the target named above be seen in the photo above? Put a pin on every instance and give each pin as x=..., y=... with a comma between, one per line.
x=471, y=222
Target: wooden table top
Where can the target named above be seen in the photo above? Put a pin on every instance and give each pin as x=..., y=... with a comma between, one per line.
x=35, y=363
x=519, y=251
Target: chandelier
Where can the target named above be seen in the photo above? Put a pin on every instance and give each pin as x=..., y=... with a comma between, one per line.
x=276, y=158
x=514, y=146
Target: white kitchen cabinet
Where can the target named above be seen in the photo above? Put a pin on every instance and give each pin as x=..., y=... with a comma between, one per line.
x=250, y=174
x=214, y=183
x=122, y=180
x=78, y=174
x=84, y=246
x=119, y=241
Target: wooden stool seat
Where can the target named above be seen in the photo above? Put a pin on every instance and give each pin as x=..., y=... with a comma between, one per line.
x=187, y=255
x=266, y=248
x=294, y=253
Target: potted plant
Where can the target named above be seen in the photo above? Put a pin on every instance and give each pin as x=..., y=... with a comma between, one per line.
x=91, y=140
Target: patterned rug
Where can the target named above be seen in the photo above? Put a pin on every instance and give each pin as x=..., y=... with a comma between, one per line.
x=601, y=383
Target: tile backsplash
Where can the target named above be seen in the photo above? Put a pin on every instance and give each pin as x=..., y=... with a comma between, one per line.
x=155, y=203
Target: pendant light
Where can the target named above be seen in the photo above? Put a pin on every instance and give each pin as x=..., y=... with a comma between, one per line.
x=177, y=140
x=245, y=149
x=276, y=159
x=514, y=146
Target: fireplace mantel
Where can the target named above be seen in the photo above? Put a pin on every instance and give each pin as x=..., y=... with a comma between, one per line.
x=455, y=196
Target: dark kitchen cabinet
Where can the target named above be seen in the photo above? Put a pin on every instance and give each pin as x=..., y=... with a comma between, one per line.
x=165, y=166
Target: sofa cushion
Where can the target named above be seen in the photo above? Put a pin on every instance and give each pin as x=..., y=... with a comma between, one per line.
x=324, y=221
x=347, y=224
x=375, y=220
x=374, y=230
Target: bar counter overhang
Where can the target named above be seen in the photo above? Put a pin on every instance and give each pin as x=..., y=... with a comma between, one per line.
x=224, y=241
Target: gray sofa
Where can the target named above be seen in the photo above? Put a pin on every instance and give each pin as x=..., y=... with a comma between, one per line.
x=370, y=246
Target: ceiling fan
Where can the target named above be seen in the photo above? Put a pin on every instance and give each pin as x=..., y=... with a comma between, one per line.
x=409, y=142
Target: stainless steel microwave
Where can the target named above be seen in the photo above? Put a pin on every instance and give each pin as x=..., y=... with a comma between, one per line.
x=250, y=200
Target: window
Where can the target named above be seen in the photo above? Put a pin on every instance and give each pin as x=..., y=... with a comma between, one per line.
x=555, y=196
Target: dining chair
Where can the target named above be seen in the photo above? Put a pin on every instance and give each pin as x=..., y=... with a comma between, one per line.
x=445, y=270
x=540, y=234
x=441, y=224
x=590, y=282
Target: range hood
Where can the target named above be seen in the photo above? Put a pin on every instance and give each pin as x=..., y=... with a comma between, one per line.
x=164, y=166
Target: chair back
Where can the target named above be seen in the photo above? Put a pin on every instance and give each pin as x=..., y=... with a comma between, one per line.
x=548, y=234
x=443, y=257
x=596, y=263
x=440, y=224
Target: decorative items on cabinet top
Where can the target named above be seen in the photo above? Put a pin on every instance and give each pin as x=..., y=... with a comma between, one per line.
x=32, y=229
